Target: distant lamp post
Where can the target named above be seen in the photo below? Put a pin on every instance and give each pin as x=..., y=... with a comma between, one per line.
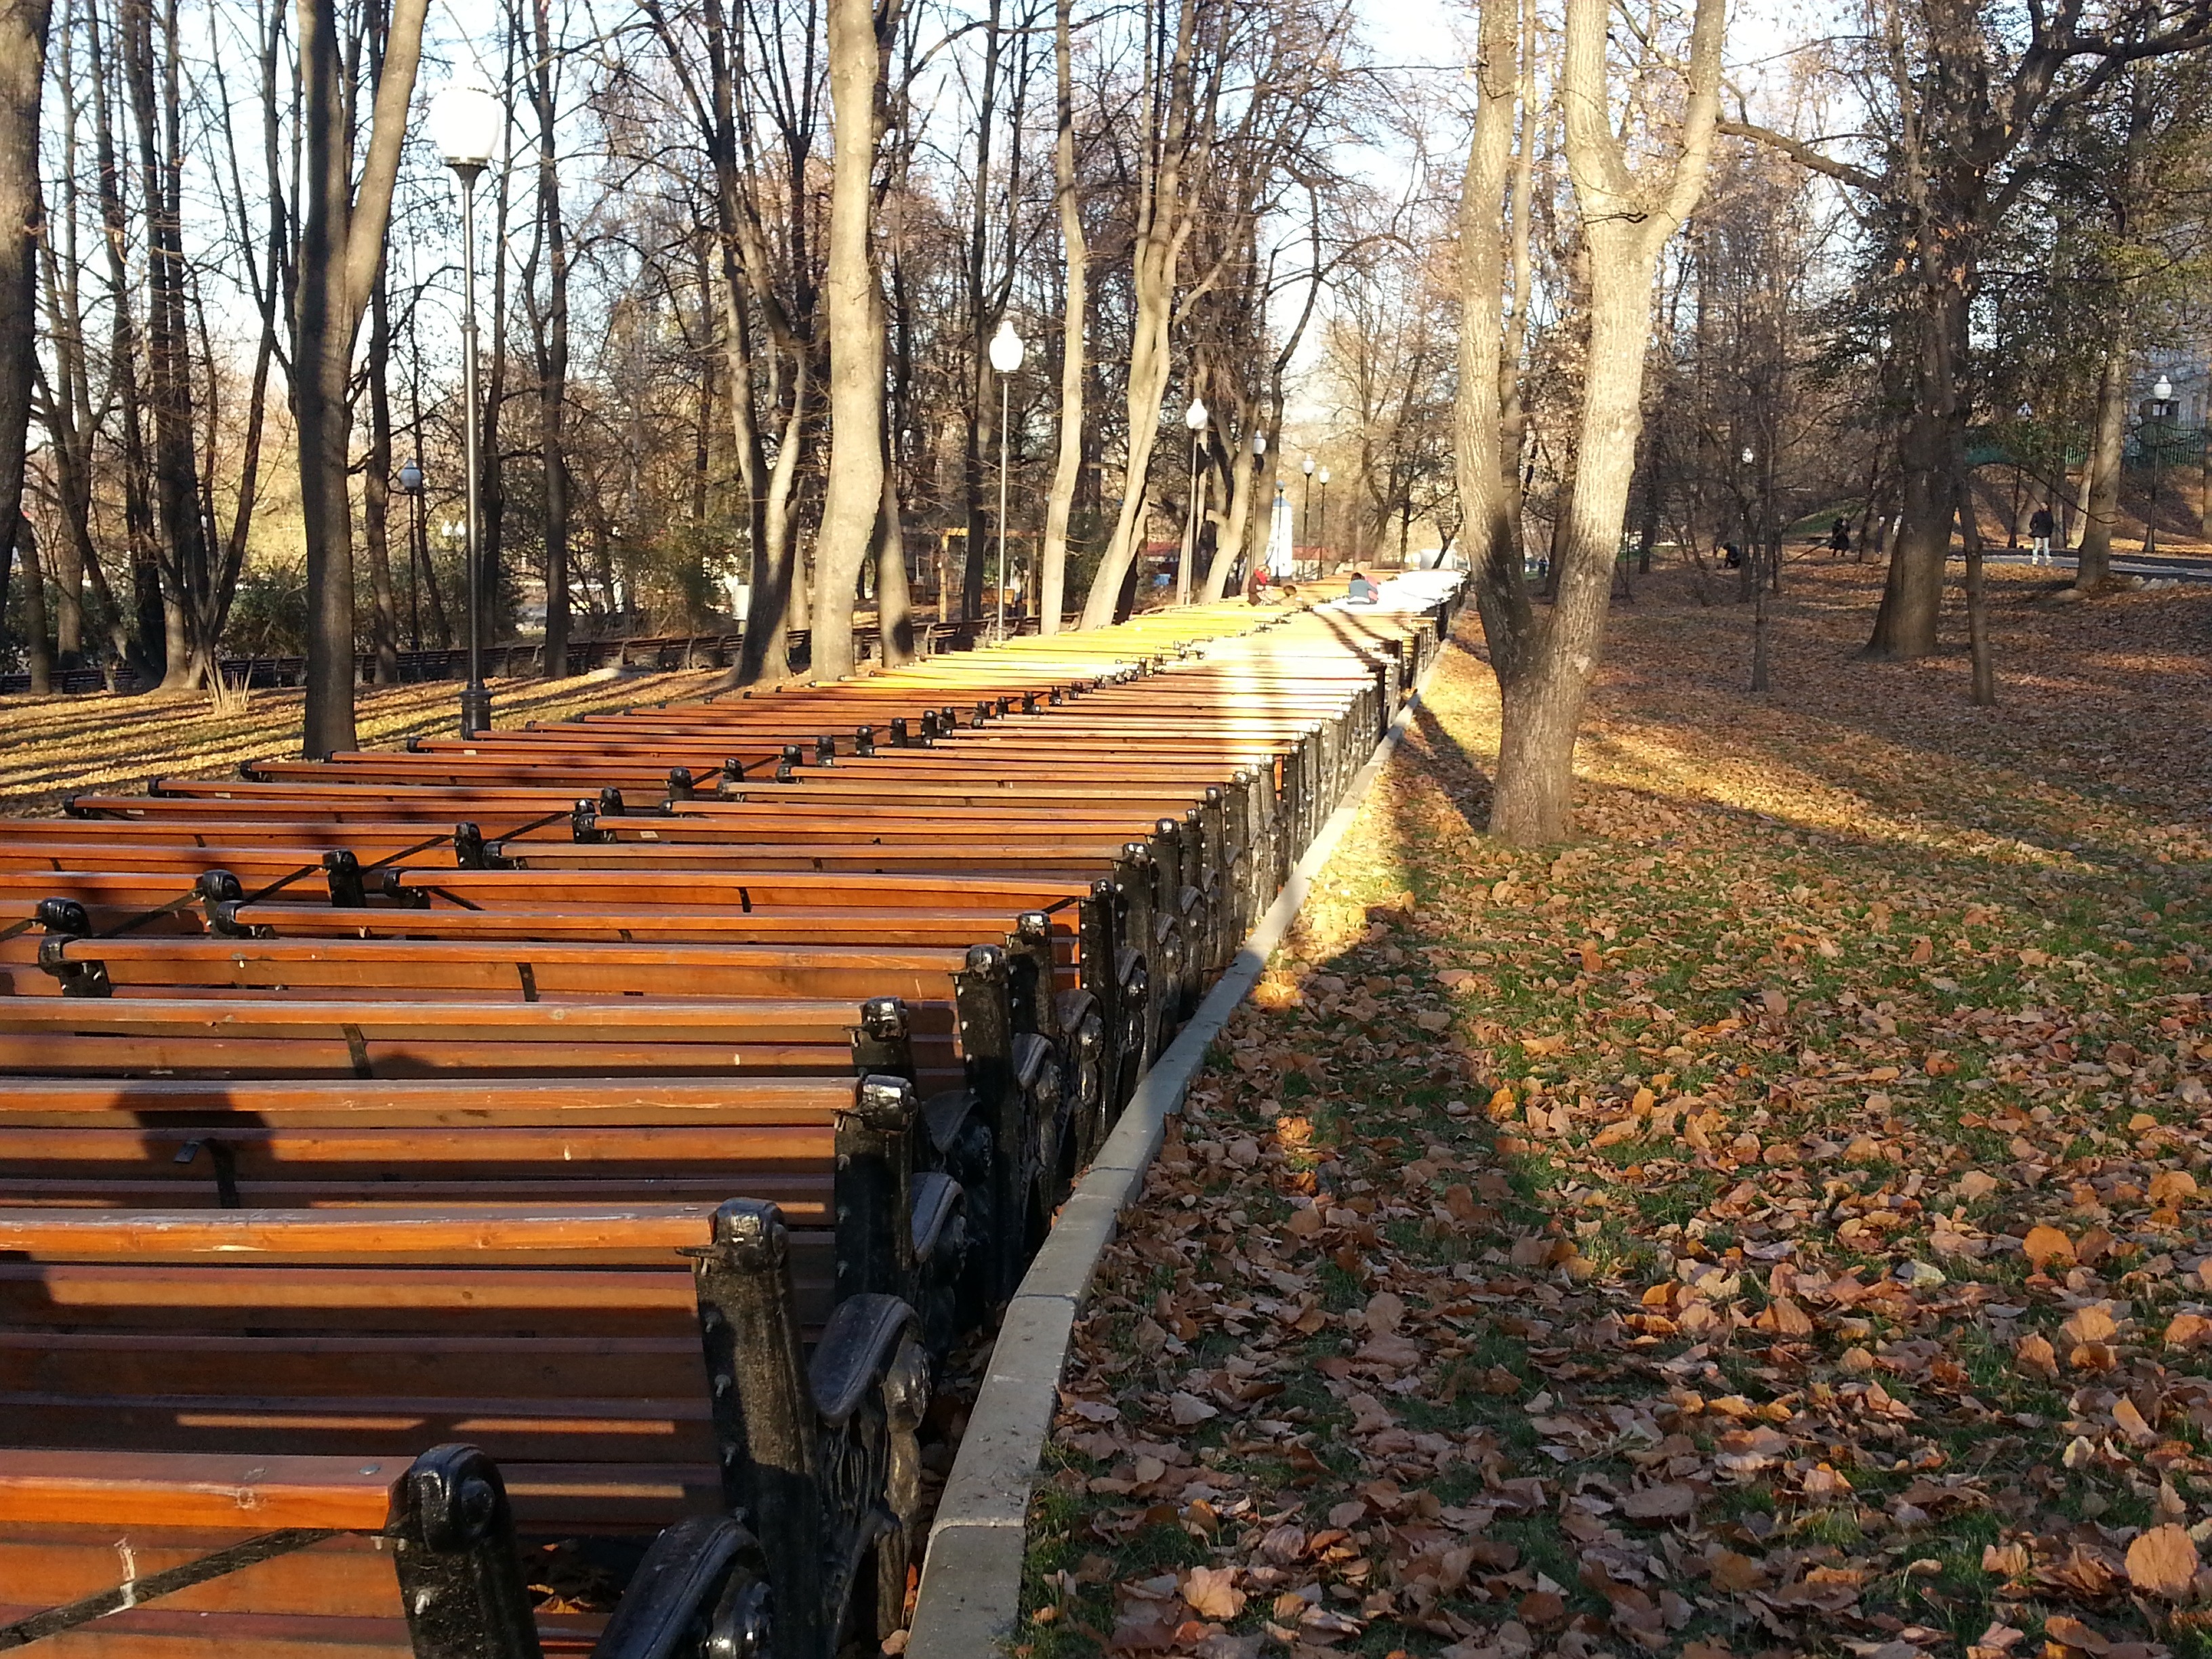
x=1194, y=417
x=411, y=484
x=1006, y=354
x=2159, y=394
x=466, y=120
x=1323, y=475
x=1305, y=506
x=2024, y=414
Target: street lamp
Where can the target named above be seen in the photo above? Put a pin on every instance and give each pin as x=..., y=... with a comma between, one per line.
x=2023, y=413
x=1006, y=354
x=1305, y=507
x=410, y=483
x=1194, y=417
x=466, y=120
x=1323, y=475
x=2159, y=394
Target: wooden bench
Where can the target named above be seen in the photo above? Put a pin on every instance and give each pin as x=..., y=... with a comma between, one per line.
x=1003, y=1119
x=143, y=1555
x=626, y=1367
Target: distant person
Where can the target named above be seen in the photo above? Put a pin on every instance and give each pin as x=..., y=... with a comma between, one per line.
x=1731, y=556
x=2039, y=526
x=1256, y=589
x=1839, y=536
x=1362, y=591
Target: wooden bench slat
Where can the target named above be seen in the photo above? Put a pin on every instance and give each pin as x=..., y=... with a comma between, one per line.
x=93, y=1488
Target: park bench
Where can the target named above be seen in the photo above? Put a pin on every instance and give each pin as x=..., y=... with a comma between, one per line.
x=1002, y=1123
x=148, y=1554
x=627, y=1368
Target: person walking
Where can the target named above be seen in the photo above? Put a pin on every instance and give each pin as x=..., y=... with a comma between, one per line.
x=2040, y=524
x=1839, y=536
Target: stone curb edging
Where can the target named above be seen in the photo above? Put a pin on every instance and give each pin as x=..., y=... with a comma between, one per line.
x=971, y=1580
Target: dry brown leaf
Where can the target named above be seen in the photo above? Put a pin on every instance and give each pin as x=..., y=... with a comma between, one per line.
x=2163, y=1562
x=1212, y=1592
x=2044, y=1245
x=1736, y=1573
x=2188, y=1330
x=1659, y=1503
x=2092, y=1322
x=2131, y=1423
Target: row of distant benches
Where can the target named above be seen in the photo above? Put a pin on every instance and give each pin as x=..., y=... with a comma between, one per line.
x=509, y=1196
x=662, y=652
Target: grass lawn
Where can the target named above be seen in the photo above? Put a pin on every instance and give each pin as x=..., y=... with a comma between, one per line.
x=1775, y=1223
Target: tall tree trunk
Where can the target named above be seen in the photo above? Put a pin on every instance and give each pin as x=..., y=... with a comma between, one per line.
x=1067, y=467
x=143, y=645
x=553, y=353
x=491, y=468
x=2092, y=569
x=1984, y=686
x=1912, y=595
x=23, y=25
x=38, y=645
x=1486, y=496
x=979, y=430
x=376, y=488
x=182, y=548
x=1164, y=226
x=1545, y=669
x=341, y=247
x=853, y=501
x=894, y=599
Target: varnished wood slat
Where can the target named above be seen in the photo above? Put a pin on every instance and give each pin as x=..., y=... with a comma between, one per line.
x=93, y=1488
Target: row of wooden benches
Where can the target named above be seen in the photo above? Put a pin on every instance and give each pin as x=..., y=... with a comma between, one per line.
x=357, y=1252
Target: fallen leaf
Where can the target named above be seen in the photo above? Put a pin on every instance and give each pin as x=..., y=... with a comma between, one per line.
x=1211, y=1593
x=1657, y=1503
x=2092, y=1322
x=1188, y=1409
x=2163, y=1562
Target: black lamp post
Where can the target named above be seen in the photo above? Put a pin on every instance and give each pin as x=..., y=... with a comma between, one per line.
x=465, y=123
x=411, y=484
x=1305, y=507
x=2159, y=394
x=1323, y=475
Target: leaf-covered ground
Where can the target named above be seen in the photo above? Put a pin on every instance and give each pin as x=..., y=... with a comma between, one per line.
x=1775, y=1223
x=52, y=748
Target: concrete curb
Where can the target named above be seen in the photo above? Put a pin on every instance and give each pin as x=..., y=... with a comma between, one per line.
x=971, y=1579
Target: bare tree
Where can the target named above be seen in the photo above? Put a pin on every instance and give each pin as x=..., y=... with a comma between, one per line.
x=859, y=30
x=341, y=247
x=1544, y=662
x=1067, y=467
x=1966, y=97
x=23, y=25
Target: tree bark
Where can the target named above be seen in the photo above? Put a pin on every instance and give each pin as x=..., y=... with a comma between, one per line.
x=2092, y=567
x=894, y=599
x=1163, y=225
x=181, y=544
x=341, y=247
x=852, y=500
x=1912, y=594
x=1486, y=496
x=1545, y=664
x=23, y=27
x=553, y=350
x=1067, y=467
x=376, y=488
